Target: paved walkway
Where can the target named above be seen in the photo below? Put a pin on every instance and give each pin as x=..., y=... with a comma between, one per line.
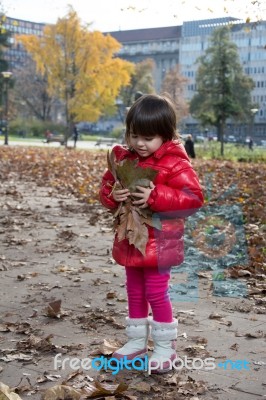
x=53, y=247
x=81, y=144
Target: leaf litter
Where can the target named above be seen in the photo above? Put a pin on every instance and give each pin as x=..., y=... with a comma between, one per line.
x=65, y=175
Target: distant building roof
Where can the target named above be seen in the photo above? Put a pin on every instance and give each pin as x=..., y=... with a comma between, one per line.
x=137, y=35
x=189, y=28
x=15, y=21
x=205, y=26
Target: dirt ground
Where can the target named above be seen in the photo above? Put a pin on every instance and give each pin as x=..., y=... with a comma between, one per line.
x=62, y=293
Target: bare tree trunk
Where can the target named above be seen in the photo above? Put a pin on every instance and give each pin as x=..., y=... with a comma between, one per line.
x=66, y=133
x=221, y=136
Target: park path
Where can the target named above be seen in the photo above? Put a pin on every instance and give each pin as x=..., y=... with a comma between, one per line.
x=62, y=293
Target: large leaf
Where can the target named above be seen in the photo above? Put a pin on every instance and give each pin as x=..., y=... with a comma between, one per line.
x=130, y=224
x=131, y=221
x=111, y=163
x=130, y=175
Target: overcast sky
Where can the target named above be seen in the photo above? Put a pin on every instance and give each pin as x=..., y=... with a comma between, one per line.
x=112, y=15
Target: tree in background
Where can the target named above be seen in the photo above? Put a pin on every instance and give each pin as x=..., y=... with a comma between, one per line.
x=141, y=81
x=4, y=44
x=31, y=93
x=173, y=84
x=223, y=90
x=80, y=68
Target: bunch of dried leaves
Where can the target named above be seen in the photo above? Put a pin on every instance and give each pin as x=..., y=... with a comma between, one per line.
x=130, y=220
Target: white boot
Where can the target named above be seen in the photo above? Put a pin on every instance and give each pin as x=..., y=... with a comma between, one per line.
x=164, y=337
x=137, y=330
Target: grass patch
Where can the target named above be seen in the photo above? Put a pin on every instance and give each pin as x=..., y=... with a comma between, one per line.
x=232, y=152
x=30, y=138
x=12, y=138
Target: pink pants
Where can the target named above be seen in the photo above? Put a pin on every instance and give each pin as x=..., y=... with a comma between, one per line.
x=148, y=286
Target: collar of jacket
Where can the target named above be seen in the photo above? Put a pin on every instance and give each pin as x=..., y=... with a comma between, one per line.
x=171, y=147
x=174, y=147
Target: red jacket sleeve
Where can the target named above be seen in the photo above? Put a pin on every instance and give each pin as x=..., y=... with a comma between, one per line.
x=181, y=194
x=107, y=184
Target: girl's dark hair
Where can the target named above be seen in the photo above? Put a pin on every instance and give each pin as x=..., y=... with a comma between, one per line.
x=152, y=115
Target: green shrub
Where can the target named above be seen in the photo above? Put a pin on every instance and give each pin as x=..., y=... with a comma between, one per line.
x=233, y=152
x=35, y=128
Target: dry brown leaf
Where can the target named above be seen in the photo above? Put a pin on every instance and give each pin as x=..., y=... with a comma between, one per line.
x=215, y=316
x=255, y=335
x=131, y=175
x=130, y=221
x=143, y=387
x=223, y=321
x=111, y=163
x=106, y=348
x=174, y=380
x=62, y=392
x=48, y=378
x=244, y=272
x=36, y=343
x=234, y=346
x=101, y=388
x=17, y=356
x=54, y=309
x=7, y=394
x=111, y=295
x=4, y=328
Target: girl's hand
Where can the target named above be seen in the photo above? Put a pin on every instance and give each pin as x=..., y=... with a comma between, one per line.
x=120, y=195
x=143, y=195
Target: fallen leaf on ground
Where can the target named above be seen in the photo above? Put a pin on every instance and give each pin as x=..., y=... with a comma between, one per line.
x=215, y=316
x=91, y=390
x=54, y=309
x=7, y=394
x=256, y=335
x=106, y=348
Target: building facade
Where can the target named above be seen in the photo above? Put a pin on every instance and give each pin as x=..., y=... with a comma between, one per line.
x=16, y=54
x=184, y=44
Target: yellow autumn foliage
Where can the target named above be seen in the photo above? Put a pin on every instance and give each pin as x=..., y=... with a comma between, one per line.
x=80, y=65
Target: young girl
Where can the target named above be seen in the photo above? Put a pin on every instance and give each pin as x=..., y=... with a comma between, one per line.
x=174, y=195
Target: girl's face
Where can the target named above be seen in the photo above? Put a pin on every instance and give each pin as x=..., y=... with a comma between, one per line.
x=145, y=146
